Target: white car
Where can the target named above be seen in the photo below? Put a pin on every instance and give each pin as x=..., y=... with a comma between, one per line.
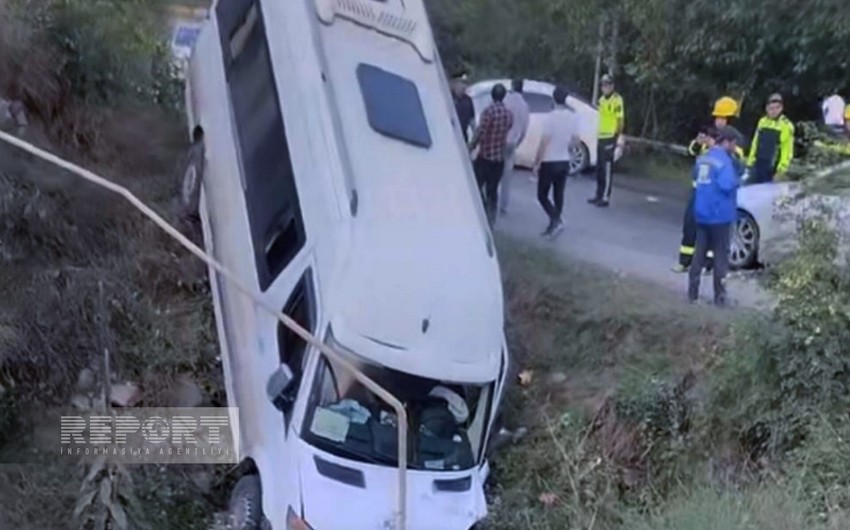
x=538, y=95
x=331, y=178
x=757, y=205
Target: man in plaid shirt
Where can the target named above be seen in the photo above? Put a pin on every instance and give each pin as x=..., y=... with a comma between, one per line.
x=491, y=139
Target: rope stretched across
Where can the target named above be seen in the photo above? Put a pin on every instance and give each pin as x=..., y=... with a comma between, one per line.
x=229, y=276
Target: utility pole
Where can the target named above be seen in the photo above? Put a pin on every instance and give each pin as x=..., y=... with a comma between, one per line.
x=600, y=46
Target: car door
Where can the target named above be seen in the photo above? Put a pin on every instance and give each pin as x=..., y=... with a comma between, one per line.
x=539, y=105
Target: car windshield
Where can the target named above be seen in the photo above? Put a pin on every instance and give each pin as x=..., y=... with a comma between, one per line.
x=447, y=421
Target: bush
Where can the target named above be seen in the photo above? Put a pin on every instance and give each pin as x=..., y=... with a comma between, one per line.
x=772, y=507
x=821, y=468
x=71, y=61
x=792, y=364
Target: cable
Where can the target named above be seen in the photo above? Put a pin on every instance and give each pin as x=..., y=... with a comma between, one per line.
x=287, y=321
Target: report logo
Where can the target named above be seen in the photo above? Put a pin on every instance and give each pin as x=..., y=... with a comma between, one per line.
x=152, y=436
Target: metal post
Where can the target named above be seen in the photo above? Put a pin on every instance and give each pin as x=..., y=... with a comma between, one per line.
x=597, y=73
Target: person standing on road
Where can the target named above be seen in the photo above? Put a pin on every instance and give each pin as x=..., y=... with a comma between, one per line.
x=725, y=109
x=463, y=103
x=491, y=136
x=833, y=114
x=552, y=163
x=611, y=122
x=773, y=144
x=516, y=104
x=715, y=209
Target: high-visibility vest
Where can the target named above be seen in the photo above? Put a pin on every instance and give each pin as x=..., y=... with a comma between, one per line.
x=611, y=111
x=774, y=140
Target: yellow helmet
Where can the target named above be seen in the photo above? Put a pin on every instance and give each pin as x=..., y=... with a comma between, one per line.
x=847, y=112
x=725, y=107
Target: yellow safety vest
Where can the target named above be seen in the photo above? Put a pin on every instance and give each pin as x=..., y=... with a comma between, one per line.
x=781, y=132
x=611, y=111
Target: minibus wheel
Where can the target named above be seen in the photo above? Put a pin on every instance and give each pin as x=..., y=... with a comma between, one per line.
x=246, y=511
x=191, y=175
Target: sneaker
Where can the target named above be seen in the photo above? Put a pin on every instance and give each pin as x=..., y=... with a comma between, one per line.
x=679, y=268
x=592, y=200
x=557, y=228
x=548, y=230
x=601, y=204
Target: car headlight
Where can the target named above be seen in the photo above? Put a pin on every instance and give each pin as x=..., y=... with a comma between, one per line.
x=295, y=522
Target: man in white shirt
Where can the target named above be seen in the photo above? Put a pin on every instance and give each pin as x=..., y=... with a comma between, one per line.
x=552, y=164
x=833, y=113
x=519, y=110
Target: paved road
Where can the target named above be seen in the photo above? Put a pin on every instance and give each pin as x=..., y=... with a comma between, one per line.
x=638, y=235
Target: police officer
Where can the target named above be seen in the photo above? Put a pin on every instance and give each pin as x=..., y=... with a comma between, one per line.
x=725, y=109
x=611, y=122
x=773, y=144
x=463, y=103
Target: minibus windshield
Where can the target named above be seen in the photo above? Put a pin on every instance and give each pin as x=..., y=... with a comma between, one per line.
x=447, y=421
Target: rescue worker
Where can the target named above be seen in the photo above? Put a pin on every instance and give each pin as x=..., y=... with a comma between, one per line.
x=847, y=122
x=611, y=123
x=725, y=109
x=773, y=144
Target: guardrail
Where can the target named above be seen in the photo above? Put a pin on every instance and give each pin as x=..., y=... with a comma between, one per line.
x=655, y=144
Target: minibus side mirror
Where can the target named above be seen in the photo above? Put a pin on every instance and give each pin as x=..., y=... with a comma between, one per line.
x=280, y=386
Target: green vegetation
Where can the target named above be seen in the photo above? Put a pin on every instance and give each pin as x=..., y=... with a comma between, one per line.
x=672, y=57
x=643, y=415
x=96, y=78
x=81, y=65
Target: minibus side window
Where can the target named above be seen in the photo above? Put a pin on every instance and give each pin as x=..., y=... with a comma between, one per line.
x=274, y=212
x=301, y=308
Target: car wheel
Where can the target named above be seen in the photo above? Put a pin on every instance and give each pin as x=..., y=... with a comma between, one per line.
x=743, y=251
x=579, y=159
x=245, y=504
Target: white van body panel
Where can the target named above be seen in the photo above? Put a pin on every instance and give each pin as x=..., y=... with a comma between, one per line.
x=396, y=252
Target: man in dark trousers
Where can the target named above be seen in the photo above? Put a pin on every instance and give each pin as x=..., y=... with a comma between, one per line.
x=725, y=109
x=491, y=137
x=716, y=209
x=773, y=144
x=611, y=122
x=463, y=103
x=552, y=162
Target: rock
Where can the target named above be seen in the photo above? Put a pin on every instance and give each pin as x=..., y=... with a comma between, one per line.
x=557, y=378
x=12, y=115
x=186, y=393
x=203, y=481
x=81, y=402
x=125, y=395
x=86, y=380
